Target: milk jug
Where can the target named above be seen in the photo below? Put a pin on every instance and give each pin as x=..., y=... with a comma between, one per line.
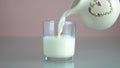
x=96, y=14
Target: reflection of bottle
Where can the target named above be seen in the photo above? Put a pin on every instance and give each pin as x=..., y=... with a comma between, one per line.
x=50, y=64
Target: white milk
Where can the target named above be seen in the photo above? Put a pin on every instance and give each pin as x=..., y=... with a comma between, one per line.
x=62, y=21
x=59, y=47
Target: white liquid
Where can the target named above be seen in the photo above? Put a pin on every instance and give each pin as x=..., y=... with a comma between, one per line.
x=62, y=21
x=59, y=47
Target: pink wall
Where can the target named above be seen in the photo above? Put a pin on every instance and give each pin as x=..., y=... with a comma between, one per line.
x=24, y=18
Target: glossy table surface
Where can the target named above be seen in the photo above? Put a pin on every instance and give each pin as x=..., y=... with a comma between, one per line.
x=27, y=52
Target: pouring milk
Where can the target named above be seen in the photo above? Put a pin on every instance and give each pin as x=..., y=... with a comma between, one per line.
x=96, y=14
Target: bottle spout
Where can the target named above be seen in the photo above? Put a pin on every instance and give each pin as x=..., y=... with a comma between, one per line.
x=76, y=7
x=74, y=3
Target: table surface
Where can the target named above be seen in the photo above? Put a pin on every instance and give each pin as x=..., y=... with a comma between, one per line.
x=27, y=52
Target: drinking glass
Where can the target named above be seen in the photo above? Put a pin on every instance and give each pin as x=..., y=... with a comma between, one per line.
x=58, y=48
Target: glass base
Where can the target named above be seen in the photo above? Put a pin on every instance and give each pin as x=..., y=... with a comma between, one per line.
x=58, y=59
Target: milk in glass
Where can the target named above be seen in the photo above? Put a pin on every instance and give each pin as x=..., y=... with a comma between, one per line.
x=60, y=45
x=56, y=47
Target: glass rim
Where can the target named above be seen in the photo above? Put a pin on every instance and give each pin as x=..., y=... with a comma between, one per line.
x=57, y=21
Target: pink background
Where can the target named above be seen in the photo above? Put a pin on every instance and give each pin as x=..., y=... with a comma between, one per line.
x=25, y=17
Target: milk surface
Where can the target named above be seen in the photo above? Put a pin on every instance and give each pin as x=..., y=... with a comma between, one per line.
x=59, y=47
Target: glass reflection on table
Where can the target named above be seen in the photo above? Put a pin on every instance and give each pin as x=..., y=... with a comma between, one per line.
x=52, y=64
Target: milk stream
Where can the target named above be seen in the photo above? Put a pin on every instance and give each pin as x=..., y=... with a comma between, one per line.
x=66, y=14
x=62, y=21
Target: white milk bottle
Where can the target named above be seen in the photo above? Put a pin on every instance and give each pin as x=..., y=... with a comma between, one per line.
x=96, y=14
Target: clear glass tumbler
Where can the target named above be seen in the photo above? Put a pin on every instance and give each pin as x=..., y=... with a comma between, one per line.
x=58, y=48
